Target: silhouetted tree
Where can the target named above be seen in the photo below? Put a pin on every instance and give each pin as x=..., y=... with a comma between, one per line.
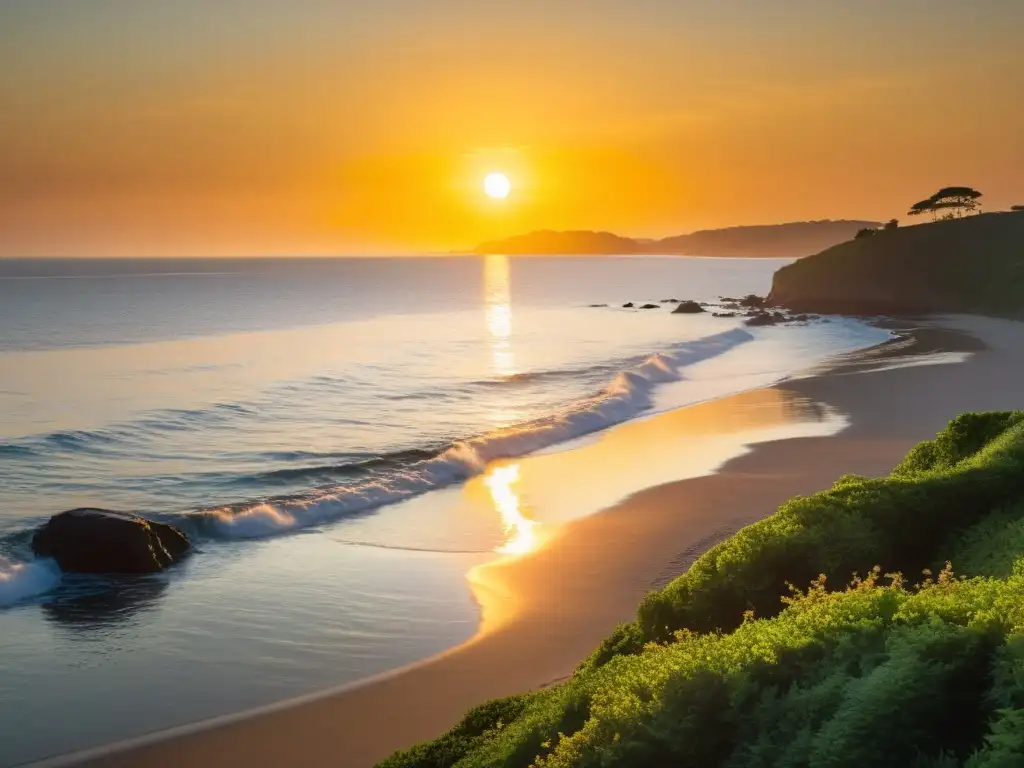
x=866, y=232
x=892, y=224
x=1017, y=207
x=958, y=201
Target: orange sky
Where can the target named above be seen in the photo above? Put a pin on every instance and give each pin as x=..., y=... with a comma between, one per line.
x=136, y=127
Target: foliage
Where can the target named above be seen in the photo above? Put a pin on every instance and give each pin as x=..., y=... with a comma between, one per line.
x=728, y=666
x=892, y=224
x=866, y=232
x=958, y=201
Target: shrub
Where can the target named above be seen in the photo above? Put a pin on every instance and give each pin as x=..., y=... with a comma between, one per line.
x=724, y=668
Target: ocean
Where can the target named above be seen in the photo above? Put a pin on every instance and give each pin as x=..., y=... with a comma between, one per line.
x=306, y=422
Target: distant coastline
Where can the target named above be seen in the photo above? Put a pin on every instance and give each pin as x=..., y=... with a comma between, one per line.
x=790, y=240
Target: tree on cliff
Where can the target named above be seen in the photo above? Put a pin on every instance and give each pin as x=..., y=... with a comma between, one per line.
x=892, y=224
x=957, y=201
x=866, y=232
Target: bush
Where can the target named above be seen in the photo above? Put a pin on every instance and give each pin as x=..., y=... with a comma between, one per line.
x=745, y=672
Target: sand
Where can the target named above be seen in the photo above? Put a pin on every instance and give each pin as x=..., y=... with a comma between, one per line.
x=544, y=611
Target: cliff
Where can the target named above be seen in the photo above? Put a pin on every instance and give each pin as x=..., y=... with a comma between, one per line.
x=972, y=265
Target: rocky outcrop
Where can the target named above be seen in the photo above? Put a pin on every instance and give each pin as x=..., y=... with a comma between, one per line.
x=973, y=265
x=688, y=308
x=103, y=541
x=765, y=318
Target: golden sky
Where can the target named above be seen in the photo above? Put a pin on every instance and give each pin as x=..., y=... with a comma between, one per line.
x=144, y=127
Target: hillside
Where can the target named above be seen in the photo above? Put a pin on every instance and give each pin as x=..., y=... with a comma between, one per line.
x=726, y=666
x=795, y=239
x=551, y=243
x=975, y=264
x=791, y=240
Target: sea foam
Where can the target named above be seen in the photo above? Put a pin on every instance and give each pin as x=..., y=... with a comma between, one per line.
x=22, y=580
x=627, y=395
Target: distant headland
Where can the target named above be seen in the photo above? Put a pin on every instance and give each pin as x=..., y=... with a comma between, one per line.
x=790, y=240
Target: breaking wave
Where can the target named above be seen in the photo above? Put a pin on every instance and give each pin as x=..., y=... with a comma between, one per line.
x=22, y=580
x=410, y=473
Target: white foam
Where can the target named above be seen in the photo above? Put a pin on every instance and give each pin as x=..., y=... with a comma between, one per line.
x=626, y=396
x=22, y=580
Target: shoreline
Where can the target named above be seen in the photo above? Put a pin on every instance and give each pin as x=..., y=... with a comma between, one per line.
x=571, y=592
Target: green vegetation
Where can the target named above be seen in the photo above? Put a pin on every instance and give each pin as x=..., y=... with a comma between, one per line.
x=729, y=665
x=973, y=264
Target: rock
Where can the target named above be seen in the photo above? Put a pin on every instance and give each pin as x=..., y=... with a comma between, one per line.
x=688, y=308
x=728, y=300
x=649, y=306
x=598, y=305
x=669, y=301
x=764, y=318
x=628, y=305
x=723, y=314
x=103, y=541
x=752, y=301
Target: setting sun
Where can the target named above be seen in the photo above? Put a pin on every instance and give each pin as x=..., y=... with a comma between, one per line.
x=497, y=185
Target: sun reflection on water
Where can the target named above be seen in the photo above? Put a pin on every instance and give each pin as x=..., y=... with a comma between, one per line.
x=498, y=302
x=502, y=482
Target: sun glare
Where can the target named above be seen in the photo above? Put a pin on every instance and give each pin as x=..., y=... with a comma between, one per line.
x=497, y=186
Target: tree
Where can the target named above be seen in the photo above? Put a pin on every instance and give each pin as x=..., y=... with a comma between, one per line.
x=866, y=232
x=1017, y=207
x=892, y=224
x=958, y=201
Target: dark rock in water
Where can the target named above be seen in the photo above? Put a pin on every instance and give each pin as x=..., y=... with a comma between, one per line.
x=669, y=301
x=628, y=305
x=598, y=305
x=765, y=318
x=102, y=541
x=688, y=308
x=728, y=300
x=649, y=306
x=752, y=301
x=723, y=314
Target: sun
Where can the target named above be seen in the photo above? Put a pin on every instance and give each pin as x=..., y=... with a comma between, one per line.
x=497, y=185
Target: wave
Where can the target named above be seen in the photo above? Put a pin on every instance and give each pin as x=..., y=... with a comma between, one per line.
x=22, y=580
x=626, y=396
x=111, y=438
x=349, y=468
x=532, y=377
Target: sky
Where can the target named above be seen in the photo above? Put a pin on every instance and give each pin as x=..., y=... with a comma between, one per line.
x=252, y=127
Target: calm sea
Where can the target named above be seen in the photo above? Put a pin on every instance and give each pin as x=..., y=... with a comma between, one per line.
x=286, y=413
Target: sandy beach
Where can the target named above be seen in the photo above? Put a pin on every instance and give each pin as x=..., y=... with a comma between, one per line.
x=544, y=611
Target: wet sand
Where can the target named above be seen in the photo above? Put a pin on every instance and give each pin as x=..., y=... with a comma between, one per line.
x=547, y=609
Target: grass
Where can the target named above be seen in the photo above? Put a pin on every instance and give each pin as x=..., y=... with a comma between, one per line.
x=911, y=664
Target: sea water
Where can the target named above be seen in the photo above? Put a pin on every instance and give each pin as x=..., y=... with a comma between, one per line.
x=292, y=415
